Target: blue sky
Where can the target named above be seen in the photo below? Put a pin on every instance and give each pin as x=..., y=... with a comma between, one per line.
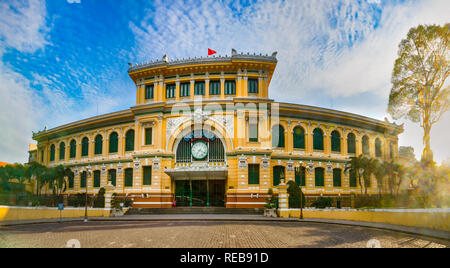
x=65, y=60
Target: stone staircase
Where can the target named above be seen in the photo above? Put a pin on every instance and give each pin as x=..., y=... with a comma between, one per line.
x=195, y=210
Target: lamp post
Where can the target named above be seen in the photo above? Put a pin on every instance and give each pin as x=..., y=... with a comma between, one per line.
x=301, y=203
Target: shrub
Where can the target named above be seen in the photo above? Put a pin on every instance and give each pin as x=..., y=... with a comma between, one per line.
x=272, y=202
x=322, y=202
x=99, y=202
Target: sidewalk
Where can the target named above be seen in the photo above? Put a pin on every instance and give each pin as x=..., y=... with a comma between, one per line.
x=244, y=218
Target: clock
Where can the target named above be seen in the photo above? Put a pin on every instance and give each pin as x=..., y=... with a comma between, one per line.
x=199, y=150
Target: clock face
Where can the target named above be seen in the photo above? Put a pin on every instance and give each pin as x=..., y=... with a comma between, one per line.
x=199, y=150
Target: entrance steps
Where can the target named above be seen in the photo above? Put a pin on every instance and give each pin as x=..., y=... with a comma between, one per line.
x=195, y=210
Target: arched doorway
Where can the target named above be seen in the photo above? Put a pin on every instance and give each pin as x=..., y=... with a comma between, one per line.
x=200, y=173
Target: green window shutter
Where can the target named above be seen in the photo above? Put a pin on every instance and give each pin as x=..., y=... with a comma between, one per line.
x=129, y=177
x=98, y=145
x=85, y=147
x=170, y=91
x=52, y=153
x=185, y=89
x=71, y=180
x=62, y=151
x=129, y=141
x=112, y=176
x=148, y=136
x=351, y=143
x=253, y=174
x=365, y=145
x=147, y=176
x=318, y=139
x=214, y=88
x=83, y=178
x=149, y=92
x=253, y=132
x=278, y=171
x=252, y=85
x=278, y=136
x=352, y=178
x=97, y=179
x=230, y=87
x=113, y=143
x=319, y=176
x=73, y=149
x=299, y=138
x=199, y=88
x=300, y=176
x=335, y=141
x=378, y=152
x=337, y=182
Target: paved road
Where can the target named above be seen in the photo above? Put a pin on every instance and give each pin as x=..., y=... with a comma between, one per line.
x=208, y=234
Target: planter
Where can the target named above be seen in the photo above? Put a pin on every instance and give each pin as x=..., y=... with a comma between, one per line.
x=270, y=212
x=116, y=212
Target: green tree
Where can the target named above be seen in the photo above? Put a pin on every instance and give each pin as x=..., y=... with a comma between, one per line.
x=379, y=174
x=419, y=90
x=356, y=164
x=369, y=167
x=295, y=195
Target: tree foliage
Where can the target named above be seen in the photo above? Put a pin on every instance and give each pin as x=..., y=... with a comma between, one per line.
x=419, y=89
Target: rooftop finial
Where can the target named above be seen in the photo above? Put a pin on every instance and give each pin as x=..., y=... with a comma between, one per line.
x=130, y=64
x=165, y=58
x=274, y=54
x=233, y=52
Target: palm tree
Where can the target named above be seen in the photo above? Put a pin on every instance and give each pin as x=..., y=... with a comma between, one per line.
x=37, y=172
x=369, y=166
x=379, y=173
x=356, y=164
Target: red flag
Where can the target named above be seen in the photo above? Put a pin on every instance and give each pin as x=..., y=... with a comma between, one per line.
x=211, y=52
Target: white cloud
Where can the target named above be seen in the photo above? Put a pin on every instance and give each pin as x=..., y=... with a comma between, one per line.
x=22, y=27
x=327, y=49
x=74, y=1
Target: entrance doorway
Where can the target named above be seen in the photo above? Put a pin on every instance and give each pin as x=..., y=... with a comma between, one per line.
x=200, y=193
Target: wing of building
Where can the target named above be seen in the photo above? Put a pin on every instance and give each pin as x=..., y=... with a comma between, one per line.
x=204, y=132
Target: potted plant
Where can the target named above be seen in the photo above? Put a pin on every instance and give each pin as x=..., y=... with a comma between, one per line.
x=270, y=208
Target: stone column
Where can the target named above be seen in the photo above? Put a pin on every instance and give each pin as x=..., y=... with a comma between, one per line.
x=109, y=189
x=283, y=200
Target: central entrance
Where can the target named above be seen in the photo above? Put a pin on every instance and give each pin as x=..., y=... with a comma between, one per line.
x=200, y=193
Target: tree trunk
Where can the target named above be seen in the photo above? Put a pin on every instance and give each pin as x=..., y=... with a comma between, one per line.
x=427, y=155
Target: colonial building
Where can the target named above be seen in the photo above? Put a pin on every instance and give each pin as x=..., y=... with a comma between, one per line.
x=204, y=132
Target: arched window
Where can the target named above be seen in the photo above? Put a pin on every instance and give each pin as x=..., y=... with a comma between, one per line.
x=278, y=136
x=351, y=143
x=300, y=176
x=335, y=141
x=353, y=178
x=112, y=176
x=52, y=152
x=129, y=177
x=337, y=182
x=98, y=144
x=84, y=146
x=184, y=152
x=365, y=145
x=378, y=152
x=113, y=142
x=62, y=151
x=278, y=174
x=318, y=139
x=71, y=180
x=320, y=176
x=299, y=137
x=73, y=148
x=83, y=179
x=216, y=151
x=96, y=178
x=129, y=140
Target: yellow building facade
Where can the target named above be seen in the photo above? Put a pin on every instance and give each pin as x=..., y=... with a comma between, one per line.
x=204, y=132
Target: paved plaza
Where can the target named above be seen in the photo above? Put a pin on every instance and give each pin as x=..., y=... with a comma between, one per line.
x=206, y=234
